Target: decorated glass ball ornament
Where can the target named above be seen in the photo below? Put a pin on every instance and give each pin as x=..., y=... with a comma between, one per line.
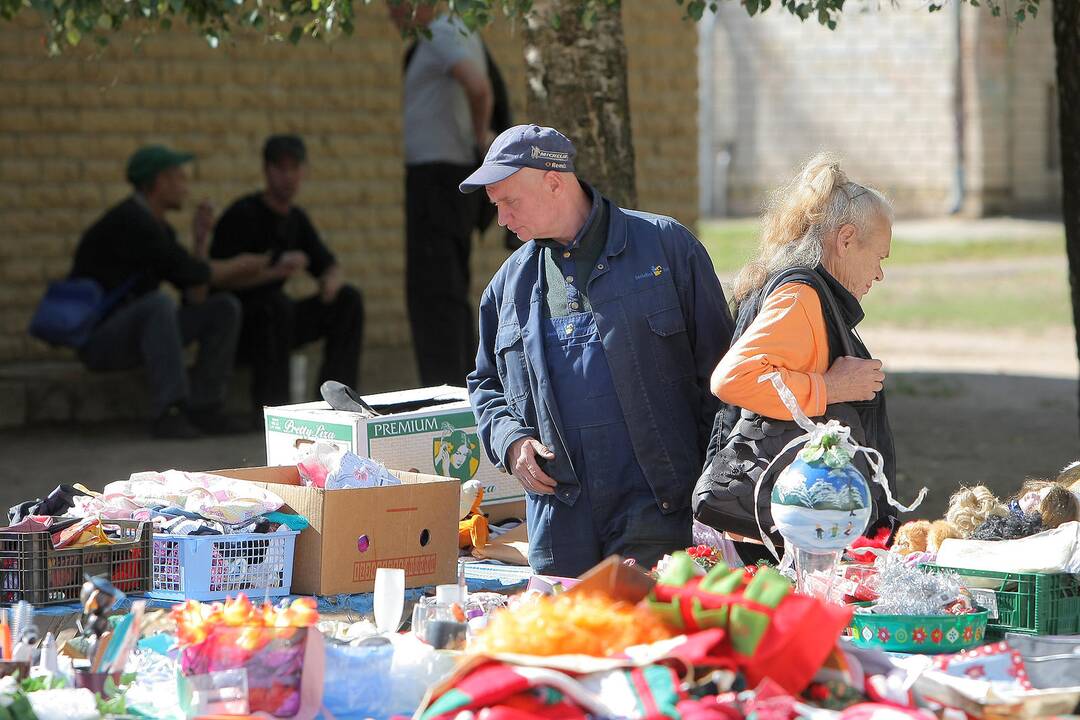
x=821, y=502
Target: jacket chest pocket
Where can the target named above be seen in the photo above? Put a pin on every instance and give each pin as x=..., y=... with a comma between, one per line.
x=671, y=343
x=510, y=363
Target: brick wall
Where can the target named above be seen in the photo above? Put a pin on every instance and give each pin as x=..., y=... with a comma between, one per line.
x=880, y=91
x=68, y=124
x=875, y=90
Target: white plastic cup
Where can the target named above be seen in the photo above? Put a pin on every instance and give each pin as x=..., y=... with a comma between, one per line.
x=389, y=600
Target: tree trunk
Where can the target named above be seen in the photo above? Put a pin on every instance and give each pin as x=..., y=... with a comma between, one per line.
x=1067, y=44
x=577, y=85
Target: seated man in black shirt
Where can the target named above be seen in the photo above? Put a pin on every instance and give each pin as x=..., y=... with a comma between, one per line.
x=132, y=246
x=268, y=222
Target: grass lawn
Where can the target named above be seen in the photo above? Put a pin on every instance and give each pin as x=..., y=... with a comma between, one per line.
x=732, y=243
x=962, y=294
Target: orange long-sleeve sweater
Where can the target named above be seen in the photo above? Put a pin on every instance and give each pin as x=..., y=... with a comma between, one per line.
x=787, y=336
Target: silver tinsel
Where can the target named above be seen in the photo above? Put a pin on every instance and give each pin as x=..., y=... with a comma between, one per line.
x=905, y=590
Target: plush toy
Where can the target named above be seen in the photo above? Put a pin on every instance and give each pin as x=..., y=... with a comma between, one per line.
x=473, y=527
x=969, y=508
x=469, y=492
x=911, y=537
x=859, y=545
x=940, y=531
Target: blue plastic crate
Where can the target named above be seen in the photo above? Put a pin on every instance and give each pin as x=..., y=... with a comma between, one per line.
x=212, y=567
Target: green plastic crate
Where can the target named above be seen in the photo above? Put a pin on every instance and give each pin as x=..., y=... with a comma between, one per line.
x=1033, y=603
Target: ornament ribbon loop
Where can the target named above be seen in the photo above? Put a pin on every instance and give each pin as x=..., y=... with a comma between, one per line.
x=815, y=433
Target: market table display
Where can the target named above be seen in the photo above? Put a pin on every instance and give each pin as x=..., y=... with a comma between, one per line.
x=696, y=637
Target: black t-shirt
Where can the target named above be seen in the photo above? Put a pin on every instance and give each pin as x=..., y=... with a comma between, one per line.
x=250, y=226
x=128, y=241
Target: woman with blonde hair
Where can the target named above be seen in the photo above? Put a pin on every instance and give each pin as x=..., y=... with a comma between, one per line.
x=823, y=241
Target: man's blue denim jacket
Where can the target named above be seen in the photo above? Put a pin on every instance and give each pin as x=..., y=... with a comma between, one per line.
x=664, y=323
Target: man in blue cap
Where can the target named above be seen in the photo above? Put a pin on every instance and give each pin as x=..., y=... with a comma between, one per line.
x=129, y=251
x=597, y=341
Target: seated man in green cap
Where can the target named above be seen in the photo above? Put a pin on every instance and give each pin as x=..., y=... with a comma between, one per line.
x=130, y=250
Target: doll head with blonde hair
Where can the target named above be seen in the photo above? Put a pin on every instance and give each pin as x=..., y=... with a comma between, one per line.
x=969, y=508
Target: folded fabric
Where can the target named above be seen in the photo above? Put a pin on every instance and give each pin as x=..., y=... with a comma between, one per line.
x=58, y=502
x=85, y=533
x=1052, y=551
x=293, y=522
x=171, y=511
x=359, y=472
x=181, y=525
x=32, y=523
x=109, y=507
x=508, y=691
x=211, y=496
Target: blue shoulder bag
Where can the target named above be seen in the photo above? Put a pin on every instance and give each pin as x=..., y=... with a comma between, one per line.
x=71, y=308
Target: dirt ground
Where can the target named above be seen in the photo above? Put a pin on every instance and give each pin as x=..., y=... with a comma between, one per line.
x=960, y=417
x=988, y=403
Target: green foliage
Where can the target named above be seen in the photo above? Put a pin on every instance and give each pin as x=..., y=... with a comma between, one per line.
x=826, y=450
x=73, y=22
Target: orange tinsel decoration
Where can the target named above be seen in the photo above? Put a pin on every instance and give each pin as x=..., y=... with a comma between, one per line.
x=195, y=620
x=570, y=624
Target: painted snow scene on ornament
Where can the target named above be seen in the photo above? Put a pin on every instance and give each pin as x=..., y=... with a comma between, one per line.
x=819, y=508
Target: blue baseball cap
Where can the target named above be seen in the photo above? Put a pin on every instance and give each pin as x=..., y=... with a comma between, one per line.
x=522, y=146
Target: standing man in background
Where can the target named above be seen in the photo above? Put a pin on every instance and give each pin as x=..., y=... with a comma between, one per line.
x=447, y=121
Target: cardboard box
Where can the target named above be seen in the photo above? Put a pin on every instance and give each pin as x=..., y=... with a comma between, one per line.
x=353, y=532
x=430, y=430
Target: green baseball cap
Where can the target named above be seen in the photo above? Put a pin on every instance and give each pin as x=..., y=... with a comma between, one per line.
x=149, y=160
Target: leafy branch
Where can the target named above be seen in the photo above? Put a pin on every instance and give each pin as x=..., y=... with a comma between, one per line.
x=69, y=23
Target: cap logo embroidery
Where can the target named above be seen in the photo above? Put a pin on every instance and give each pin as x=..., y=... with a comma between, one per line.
x=558, y=157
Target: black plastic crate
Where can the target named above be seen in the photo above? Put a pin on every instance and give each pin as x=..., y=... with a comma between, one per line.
x=32, y=570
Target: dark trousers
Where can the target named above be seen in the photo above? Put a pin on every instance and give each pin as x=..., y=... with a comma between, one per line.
x=151, y=332
x=275, y=324
x=439, y=222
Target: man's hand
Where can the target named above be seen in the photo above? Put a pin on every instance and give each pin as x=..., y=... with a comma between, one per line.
x=851, y=379
x=246, y=264
x=330, y=283
x=290, y=262
x=201, y=225
x=522, y=460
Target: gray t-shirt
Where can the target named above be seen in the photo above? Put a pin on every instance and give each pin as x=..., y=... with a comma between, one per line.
x=438, y=126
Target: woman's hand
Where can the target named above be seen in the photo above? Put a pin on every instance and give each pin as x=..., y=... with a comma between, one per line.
x=850, y=379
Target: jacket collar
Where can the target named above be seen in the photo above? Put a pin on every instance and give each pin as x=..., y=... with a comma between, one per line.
x=617, y=230
x=849, y=305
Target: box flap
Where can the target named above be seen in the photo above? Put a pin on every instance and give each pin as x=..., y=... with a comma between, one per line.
x=391, y=403
x=437, y=395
